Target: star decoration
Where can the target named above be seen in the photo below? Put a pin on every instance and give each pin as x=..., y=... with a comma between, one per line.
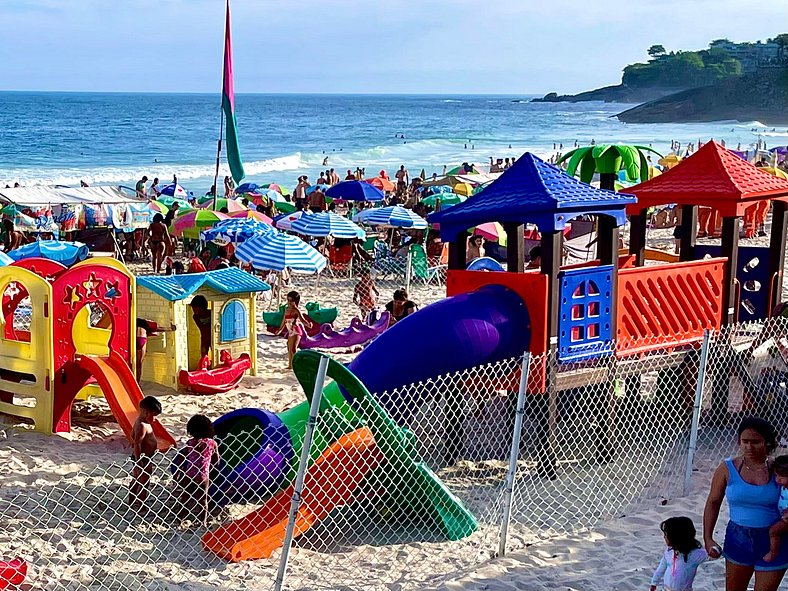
x=72, y=295
x=113, y=289
x=92, y=286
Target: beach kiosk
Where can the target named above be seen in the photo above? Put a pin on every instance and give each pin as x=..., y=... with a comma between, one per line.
x=165, y=299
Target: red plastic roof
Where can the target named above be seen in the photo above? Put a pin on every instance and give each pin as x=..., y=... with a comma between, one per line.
x=714, y=177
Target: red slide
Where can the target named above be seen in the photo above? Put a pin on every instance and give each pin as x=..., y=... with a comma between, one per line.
x=329, y=483
x=123, y=393
x=12, y=572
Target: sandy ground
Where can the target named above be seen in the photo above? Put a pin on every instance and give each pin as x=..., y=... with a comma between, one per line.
x=88, y=466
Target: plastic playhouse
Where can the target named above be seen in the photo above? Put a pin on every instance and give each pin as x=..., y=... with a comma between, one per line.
x=174, y=359
x=568, y=316
x=65, y=329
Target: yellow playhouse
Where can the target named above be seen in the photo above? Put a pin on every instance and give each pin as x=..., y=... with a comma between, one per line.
x=173, y=356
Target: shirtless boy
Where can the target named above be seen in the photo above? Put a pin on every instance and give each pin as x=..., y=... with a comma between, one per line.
x=145, y=445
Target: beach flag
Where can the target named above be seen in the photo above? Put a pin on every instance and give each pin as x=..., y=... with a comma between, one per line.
x=228, y=106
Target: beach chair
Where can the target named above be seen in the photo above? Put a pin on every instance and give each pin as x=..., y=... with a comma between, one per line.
x=339, y=259
x=421, y=268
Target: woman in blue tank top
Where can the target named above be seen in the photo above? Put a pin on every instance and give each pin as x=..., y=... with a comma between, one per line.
x=747, y=483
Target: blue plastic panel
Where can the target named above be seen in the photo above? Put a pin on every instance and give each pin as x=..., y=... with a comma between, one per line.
x=753, y=276
x=584, y=313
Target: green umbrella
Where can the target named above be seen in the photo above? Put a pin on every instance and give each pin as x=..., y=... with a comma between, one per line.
x=446, y=199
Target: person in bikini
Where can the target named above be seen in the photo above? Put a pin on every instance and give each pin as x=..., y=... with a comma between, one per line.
x=158, y=240
x=293, y=321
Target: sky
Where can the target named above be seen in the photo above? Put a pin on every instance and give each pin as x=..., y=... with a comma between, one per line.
x=357, y=46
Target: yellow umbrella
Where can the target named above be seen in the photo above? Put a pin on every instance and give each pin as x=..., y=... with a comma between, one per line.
x=670, y=160
x=463, y=189
x=778, y=172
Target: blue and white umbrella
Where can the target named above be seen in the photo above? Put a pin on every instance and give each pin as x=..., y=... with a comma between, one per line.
x=327, y=223
x=277, y=251
x=285, y=221
x=174, y=190
x=247, y=188
x=64, y=252
x=395, y=216
x=236, y=230
x=5, y=259
x=355, y=191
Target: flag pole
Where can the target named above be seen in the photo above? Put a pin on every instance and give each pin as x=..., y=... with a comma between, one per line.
x=221, y=111
x=218, y=156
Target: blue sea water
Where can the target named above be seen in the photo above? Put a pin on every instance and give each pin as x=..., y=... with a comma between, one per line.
x=109, y=138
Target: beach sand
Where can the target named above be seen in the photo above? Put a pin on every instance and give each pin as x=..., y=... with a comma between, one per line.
x=617, y=554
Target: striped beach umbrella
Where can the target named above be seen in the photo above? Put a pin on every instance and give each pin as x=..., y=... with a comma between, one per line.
x=395, y=216
x=277, y=251
x=231, y=204
x=285, y=220
x=251, y=214
x=174, y=190
x=190, y=224
x=446, y=199
x=327, y=223
x=236, y=230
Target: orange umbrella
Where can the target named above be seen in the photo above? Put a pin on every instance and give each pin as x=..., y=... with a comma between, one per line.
x=381, y=183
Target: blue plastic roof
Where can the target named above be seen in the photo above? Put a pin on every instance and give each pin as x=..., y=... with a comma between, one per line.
x=532, y=191
x=178, y=287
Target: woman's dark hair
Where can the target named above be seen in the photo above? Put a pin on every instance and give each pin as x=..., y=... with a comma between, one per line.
x=158, y=218
x=680, y=535
x=761, y=426
x=295, y=296
x=398, y=295
x=200, y=427
x=781, y=466
x=142, y=323
x=221, y=252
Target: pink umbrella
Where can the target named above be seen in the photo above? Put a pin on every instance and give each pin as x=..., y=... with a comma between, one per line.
x=252, y=214
x=231, y=205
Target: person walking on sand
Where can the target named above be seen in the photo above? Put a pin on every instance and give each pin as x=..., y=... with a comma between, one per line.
x=293, y=321
x=402, y=175
x=158, y=241
x=144, y=445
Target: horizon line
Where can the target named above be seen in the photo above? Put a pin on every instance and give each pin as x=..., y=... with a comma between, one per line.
x=200, y=92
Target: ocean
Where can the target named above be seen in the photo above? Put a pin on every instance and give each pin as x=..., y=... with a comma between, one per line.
x=51, y=138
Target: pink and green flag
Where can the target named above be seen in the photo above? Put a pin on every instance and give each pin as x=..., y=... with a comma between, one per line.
x=228, y=106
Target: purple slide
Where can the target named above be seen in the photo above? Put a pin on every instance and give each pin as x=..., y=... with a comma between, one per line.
x=357, y=333
x=488, y=325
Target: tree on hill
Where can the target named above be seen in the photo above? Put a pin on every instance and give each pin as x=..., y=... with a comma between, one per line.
x=656, y=51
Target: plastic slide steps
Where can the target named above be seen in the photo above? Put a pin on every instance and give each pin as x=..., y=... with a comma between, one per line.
x=329, y=483
x=123, y=393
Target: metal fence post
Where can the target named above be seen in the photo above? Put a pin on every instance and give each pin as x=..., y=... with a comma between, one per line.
x=408, y=270
x=693, y=442
x=514, y=454
x=295, y=502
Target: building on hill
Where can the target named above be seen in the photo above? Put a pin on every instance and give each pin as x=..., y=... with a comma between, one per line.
x=750, y=55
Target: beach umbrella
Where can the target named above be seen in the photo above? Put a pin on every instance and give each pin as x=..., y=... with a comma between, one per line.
x=231, y=204
x=446, y=199
x=251, y=214
x=247, y=188
x=380, y=183
x=779, y=150
x=191, y=223
x=269, y=194
x=158, y=207
x=284, y=207
x=314, y=188
x=355, y=191
x=236, y=230
x=64, y=252
x=285, y=220
x=277, y=251
x=276, y=187
x=491, y=231
x=173, y=190
x=463, y=189
x=168, y=200
x=327, y=223
x=395, y=216
x=5, y=259
x=462, y=169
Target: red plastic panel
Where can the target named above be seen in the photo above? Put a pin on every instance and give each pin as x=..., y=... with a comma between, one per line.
x=666, y=305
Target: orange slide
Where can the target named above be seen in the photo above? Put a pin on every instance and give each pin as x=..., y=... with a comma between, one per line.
x=329, y=482
x=123, y=393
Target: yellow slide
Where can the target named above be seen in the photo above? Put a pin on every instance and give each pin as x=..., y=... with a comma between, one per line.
x=123, y=393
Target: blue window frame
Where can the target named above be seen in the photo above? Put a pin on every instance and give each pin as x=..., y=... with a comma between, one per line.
x=234, y=322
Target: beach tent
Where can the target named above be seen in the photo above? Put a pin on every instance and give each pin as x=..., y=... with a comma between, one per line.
x=32, y=196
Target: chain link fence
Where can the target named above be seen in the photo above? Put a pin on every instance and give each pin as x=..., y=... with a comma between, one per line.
x=408, y=488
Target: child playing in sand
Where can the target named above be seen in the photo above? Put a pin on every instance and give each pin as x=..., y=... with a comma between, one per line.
x=194, y=464
x=145, y=445
x=680, y=561
x=366, y=293
x=780, y=528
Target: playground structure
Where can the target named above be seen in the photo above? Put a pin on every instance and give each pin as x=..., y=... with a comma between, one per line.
x=174, y=358
x=358, y=333
x=567, y=317
x=65, y=329
x=319, y=316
